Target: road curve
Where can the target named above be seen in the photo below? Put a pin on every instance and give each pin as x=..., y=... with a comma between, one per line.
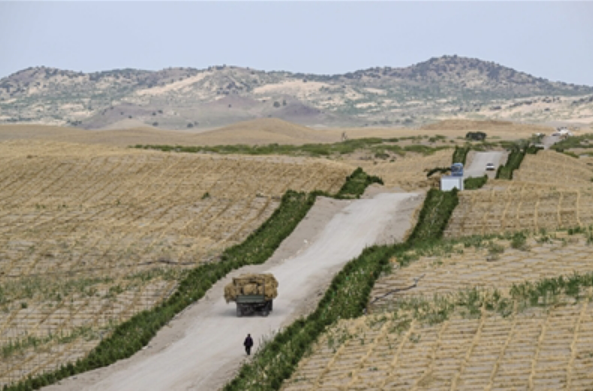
x=203, y=347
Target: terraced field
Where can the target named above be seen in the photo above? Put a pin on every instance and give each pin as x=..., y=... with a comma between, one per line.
x=417, y=339
x=491, y=264
x=549, y=191
x=534, y=350
x=90, y=235
x=408, y=172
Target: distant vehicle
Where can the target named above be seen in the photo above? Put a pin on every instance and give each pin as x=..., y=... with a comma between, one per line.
x=490, y=167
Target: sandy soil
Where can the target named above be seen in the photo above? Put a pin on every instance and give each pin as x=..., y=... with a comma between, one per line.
x=202, y=348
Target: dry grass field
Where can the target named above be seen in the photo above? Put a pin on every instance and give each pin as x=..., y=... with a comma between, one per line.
x=257, y=132
x=408, y=172
x=92, y=232
x=90, y=235
x=527, y=348
x=549, y=191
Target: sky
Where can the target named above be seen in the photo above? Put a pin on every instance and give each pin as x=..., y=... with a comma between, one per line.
x=553, y=40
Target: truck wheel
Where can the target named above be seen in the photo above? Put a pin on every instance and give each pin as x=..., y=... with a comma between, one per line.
x=265, y=313
x=239, y=312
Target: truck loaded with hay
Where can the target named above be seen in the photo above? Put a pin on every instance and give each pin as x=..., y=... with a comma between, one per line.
x=253, y=293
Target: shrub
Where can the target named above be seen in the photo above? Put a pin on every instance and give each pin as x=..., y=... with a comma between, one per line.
x=513, y=162
x=460, y=154
x=474, y=183
x=356, y=183
x=434, y=215
x=476, y=136
x=442, y=170
x=519, y=241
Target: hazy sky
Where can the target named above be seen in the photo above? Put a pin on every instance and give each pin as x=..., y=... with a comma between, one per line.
x=553, y=40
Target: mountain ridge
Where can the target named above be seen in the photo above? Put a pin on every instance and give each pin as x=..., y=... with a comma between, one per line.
x=218, y=95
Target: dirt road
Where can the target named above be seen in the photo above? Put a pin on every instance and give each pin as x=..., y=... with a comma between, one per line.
x=478, y=161
x=202, y=347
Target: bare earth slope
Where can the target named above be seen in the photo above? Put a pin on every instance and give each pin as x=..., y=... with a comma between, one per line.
x=203, y=346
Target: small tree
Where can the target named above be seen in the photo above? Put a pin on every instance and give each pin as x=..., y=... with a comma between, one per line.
x=276, y=104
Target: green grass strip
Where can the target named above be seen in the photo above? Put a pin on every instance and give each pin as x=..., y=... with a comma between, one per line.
x=471, y=302
x=474, y=182
x=460, y=154
x=130, y=336
x=347, y=297
x=380, y=147
x=513, y=162
x=434, y=215
x=356, y=184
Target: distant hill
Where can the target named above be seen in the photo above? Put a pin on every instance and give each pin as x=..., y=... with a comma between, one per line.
x=182, y=98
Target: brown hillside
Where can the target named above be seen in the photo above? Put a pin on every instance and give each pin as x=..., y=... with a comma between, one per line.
x=489, y=125
x=264, y=131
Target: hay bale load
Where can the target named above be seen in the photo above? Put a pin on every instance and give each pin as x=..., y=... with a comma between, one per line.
x=252, y=293
x=252, y=284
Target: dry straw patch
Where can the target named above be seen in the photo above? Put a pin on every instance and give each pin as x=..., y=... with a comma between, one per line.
x=528, y=348
x=534, y=350
x=494, y=264
x=408, y=172
x=549, y=191
x=94, y=234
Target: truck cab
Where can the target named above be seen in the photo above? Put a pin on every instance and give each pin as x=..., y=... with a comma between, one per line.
x=457, y=169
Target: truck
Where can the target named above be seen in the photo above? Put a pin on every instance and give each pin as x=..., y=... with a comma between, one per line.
x=252, y=293
x=449, y=183
x=457, y=169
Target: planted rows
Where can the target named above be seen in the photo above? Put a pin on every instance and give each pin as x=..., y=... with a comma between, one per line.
x=346, y=298
x=132, y=335
x=473, y=339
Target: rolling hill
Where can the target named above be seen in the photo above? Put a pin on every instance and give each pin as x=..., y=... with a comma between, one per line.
x=187, y=98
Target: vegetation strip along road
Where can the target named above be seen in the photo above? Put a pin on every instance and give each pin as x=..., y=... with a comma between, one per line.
x=514, y=161
x=346, y=298
x=130, y=336
x=379, y=146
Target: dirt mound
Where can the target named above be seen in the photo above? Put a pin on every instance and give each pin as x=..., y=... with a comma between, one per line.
x=252, y=284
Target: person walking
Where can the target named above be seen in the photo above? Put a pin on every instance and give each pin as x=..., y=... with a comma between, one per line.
x=248, y=343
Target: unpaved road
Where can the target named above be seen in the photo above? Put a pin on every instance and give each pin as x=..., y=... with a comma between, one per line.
x=477, y=167
x=202, y=348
